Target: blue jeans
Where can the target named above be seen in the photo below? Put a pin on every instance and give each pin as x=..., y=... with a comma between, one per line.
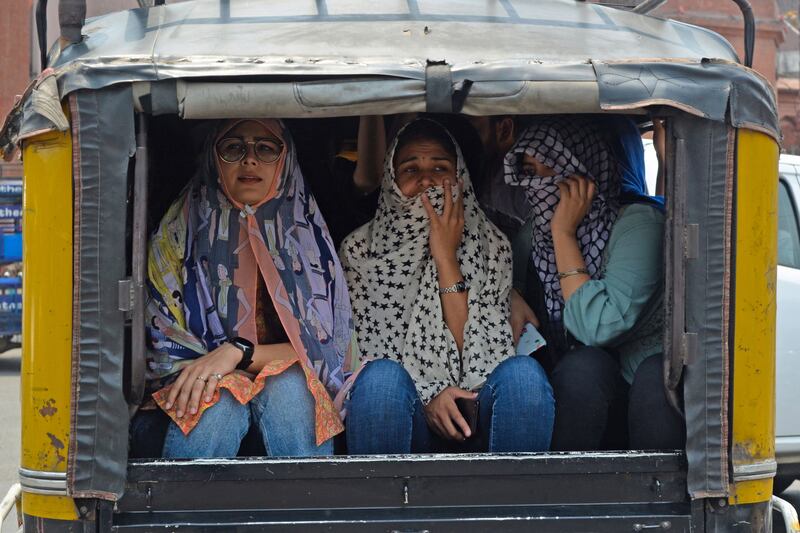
x=385, y=413
x=283, y=412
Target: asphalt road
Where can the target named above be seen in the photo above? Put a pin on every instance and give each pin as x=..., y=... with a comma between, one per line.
x=10, y=437
x=792, y=495
x=9, y=427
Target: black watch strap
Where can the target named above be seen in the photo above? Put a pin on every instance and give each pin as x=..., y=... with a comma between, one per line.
x=247, y=349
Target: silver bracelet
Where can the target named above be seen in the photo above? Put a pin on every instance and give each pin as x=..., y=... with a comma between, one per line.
x=461, y=286
x=568, y=273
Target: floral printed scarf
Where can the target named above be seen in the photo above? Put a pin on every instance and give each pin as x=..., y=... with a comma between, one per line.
x=204, y=261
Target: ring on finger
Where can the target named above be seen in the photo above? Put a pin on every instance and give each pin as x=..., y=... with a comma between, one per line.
x=217, y=376
x=202, y=378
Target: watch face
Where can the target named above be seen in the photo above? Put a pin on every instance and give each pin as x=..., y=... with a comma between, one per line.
x=241, y=341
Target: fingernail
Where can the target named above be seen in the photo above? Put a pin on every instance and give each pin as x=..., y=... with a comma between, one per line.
x=208, y=398
x=180, y=414
x=194, y=410
x=169, y=405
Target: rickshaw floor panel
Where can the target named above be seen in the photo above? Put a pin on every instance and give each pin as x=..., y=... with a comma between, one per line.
x=559, y=491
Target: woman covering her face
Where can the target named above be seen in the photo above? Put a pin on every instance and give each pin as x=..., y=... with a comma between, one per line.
x=596, y=268
x=249, y=313
x=429, y=278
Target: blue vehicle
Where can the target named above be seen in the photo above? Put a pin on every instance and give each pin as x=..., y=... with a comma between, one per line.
x=10, y=253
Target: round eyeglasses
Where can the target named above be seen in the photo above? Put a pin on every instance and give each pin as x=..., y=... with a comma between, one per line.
x=234, y=149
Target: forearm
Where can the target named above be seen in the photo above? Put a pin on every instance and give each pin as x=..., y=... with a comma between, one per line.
x=454, y=305
x=569, y=257
x=371, y=150
x=266, y=353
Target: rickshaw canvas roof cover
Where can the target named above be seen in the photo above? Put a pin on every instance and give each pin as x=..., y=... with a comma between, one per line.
x=393, y=38
x=633, y=60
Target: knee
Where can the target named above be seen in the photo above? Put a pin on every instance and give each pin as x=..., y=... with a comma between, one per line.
x=383, y=375
x=522, y=371
x=586, y=376
x=291, y=383
x=226, y=413
x=583, y=366
x=522, y=375
x=227, y=408
x=648, y=381
x=382, y=382
x=650, y=371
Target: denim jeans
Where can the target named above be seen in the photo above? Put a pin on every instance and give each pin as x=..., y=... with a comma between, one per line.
x=385, y=413
x=283, y=412
x=597, y=409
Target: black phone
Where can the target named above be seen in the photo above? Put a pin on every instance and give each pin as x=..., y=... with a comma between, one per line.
x=469, y=410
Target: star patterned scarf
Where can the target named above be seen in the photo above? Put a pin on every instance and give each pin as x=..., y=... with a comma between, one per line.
x=395, y=292
x=568, y=146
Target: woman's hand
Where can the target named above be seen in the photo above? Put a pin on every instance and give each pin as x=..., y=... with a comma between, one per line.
x=521, y=314
x=576, y=198
x=445, y=418
x=447, y=229
x=200, y=378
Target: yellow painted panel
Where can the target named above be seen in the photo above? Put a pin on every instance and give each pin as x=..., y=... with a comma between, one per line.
x=44, y=506
x=754, y=324
x=47, y=314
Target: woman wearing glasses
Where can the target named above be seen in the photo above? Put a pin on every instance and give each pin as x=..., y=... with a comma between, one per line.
x=250, y=320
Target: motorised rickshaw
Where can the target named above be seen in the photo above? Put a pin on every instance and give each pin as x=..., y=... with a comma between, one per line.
x=95, y=127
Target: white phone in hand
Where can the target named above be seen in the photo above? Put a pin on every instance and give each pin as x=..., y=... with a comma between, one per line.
x=530, y=340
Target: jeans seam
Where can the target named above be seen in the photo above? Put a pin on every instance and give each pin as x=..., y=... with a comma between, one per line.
x=262, y=429
x=493, y=392
x=413, y=409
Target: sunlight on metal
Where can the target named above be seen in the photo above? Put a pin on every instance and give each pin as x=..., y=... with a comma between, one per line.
x=753, y=441
x=47, y=316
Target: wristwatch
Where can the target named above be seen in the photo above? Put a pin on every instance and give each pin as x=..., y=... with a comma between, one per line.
x=247, y=349
x=461, y=286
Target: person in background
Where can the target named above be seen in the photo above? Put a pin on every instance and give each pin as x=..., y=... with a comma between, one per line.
x=503, y=204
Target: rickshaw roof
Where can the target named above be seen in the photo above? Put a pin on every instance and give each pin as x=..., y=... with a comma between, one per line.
x=214, y=38
x=304, y=58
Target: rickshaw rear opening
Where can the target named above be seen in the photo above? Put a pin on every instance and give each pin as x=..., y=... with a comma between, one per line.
x=136, y=94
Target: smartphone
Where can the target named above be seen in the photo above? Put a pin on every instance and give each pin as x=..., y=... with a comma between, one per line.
x=469, y=410
x=530, y=340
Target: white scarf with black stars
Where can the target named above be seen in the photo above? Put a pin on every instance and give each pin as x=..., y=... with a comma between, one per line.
x=394, y=289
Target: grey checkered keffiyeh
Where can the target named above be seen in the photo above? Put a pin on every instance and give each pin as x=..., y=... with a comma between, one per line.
x=568, y=146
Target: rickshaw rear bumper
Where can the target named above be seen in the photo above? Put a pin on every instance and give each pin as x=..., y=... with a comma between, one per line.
x=601, y=491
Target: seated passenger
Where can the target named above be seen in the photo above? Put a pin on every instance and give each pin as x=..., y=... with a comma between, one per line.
x=429, y=279
x=249, y=318
x=596, y=269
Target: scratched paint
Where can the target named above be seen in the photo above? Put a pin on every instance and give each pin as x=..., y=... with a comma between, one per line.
x=58, y=448
x=49, y=408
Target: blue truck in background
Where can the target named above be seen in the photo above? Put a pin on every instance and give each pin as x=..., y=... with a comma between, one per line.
x=10, y=263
